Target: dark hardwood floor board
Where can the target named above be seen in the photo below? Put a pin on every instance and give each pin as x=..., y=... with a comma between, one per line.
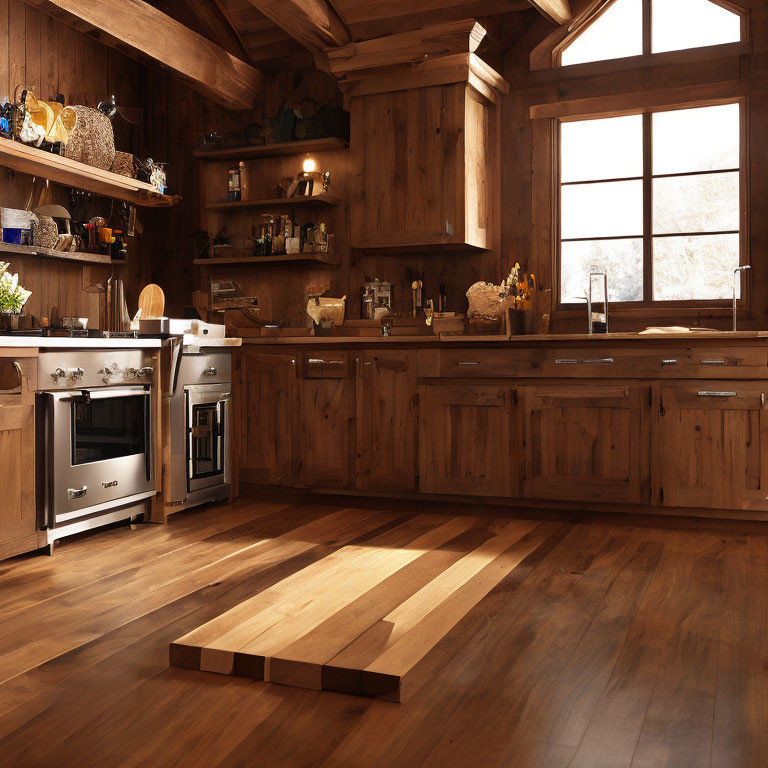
x=678, y=725
x=583, y=679
x=110, y=552
x=604, y=647
x=740, y=735
x=614, y=731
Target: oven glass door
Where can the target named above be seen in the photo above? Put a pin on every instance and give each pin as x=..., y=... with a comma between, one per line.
x=207, y=413
x=108, y=428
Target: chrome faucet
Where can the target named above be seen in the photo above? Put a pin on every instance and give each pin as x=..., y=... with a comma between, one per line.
x=590, y=319
x=736, y=282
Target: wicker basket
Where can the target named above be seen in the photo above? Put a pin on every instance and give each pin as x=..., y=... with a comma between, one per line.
x=45, y=232
x=123, y=165
x=91, y=140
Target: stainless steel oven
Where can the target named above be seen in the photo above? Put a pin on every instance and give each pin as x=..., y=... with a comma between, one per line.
x=96, y=445
x=199, y=407
x=207, y=412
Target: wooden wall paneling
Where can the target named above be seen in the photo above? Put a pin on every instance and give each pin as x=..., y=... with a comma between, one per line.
x=32, y=49
x=17, y=28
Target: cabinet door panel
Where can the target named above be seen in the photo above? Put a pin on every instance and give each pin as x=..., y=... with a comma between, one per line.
x=711, y=446
x=18, y=514
x=386, y=421
x=325, y=438
x=465, y=439
x=586, y=443
x=267, y=402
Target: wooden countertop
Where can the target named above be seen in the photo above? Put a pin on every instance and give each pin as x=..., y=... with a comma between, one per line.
x=498, y=340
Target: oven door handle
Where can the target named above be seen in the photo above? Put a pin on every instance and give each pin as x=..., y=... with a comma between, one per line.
x=102, y=393
x=148, y=446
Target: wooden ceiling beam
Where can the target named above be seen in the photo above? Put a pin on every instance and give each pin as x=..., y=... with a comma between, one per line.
x=558, y=11
x=156, y=37
x=216, y=22
x=314, y=23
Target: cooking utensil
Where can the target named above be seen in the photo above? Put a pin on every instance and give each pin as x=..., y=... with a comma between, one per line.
x=152, y=302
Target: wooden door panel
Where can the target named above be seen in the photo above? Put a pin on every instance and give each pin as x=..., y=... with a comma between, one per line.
x=586, y=443
x=386, y=423
x=18, y=513
x=465, y=444
x=325, y=436
x=267, y=402
x=711, y=446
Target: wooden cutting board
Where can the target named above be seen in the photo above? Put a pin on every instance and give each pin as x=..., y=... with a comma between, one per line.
x=152, y=302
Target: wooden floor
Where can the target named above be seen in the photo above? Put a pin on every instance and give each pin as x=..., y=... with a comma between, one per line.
x=609, y=644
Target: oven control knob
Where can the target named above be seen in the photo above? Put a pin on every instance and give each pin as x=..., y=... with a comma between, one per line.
x=59, y=373
x=147, y=371
x=76, y=373
x=211, y=371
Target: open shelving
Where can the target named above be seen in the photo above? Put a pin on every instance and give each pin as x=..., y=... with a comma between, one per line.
x=272, y=150
x=8, y=250
x=71, y=173
x=276, y=202
x=278, y=258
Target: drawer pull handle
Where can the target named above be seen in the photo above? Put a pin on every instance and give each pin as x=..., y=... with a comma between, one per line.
x=77, y=493
x=319, y=361
x=713, y=362
x=469, y=362
x=706, y=393
x=669, y=362
x=599, y=361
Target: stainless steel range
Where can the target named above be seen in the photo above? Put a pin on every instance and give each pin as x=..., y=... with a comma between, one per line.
x=95, y=438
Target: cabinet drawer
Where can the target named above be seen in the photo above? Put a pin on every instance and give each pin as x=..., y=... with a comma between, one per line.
x=499, y=363
x=602, y=361
x=325, y=364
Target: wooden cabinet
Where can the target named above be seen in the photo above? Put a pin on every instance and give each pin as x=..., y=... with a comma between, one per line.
x=386, y=421
x=427, y=160
x=465, y=440
x=18, y=513
x=711, y=445
x=266, y=403
x=324, y=434
x=586, y=442
x=18, y=508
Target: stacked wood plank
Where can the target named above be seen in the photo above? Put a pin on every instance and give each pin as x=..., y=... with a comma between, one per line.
x=373, y=619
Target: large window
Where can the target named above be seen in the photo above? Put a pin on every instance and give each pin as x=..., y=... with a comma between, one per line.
x=618, y=30
x=654, y=200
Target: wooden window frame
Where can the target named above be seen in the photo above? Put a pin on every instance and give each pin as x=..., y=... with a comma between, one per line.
x=567, y=36
x=695, y=306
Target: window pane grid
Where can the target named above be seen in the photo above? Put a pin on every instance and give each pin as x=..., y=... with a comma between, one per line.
x=676, y=262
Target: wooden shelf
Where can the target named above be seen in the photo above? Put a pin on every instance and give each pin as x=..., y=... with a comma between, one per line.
x=8, y=250
x=278, y=258
x=272, y=150
x=277, y=202
x=46, y=165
